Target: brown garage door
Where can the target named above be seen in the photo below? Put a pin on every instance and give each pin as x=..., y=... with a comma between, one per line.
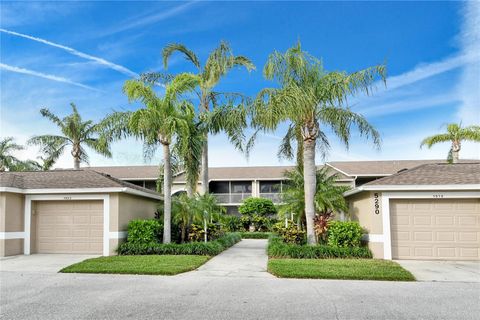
x=68, y=226
x=437, y=229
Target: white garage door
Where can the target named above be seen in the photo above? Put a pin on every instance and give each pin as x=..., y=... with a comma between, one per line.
x=69, y=226
x=437, y=229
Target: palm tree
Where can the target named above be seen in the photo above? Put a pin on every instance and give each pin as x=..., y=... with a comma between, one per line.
x=208, y=207
x=185, y=212
x=160, y=122
x=328, y=195
x=75, y=133
x=7, y=147
x=455, y=134
x=220, y=61
x=307, y=95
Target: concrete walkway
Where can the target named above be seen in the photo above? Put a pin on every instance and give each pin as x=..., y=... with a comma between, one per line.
x=247, y=259
x=455, y=271
x=48, y=263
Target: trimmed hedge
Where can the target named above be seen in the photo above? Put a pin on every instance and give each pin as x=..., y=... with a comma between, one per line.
x=210, y=248
x=255, y=235
x=279, y=249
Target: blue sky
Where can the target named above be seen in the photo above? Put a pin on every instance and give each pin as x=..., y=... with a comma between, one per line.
x=54, y=53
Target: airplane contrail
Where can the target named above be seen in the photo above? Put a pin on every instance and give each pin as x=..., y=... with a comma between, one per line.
x=45, y=76
x=75, y=52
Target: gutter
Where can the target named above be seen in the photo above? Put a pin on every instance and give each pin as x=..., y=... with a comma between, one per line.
x=83, y=190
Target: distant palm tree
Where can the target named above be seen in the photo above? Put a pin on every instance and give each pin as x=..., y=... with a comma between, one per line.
x=75, y=133
x=306, y=96
x=455, y=134
x=220, y=61
x=7, y=159
x=160, y=122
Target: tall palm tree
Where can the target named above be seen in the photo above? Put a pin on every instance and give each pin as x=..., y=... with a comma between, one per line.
x=220, y=61
x=455, y=135
x=306, y=97
x=160, y=122
x=7, y=147
x=75, y=133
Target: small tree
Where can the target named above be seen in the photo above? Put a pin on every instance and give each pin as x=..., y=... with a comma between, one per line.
x=260, y=206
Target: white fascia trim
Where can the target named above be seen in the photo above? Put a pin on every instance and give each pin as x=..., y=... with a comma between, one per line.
x=12, y=235
x=118, y=234
x=421, y=187
x=353, y=191
x=341, y=171
x=80, y=191
x=373, y=237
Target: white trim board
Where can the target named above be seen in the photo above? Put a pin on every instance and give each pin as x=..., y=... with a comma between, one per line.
x=413, y=188
x=118, y=234
x=12, y=235
x=82, y=190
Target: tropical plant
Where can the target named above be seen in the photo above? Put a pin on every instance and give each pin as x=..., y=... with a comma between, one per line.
x=328, y=195
x=230, y=118
x=306, y=97
x=344, y=234
x=75, y=133
x=160, y=122
x=7, y=159
x=209, y=208
x=185, y=212
x=455, y=135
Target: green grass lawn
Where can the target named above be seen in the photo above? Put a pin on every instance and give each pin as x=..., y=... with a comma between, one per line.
x=354, y=269
x=152, y=264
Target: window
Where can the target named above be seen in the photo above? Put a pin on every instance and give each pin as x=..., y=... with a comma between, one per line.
x=270, y=187
x=219, y=187
x=241, y=187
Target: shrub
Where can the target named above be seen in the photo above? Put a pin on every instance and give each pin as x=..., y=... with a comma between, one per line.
x=277, y=248
x=255, y=235
x=257, y=206
x=344, y=234
x=291, y=233
x=144, y=231
x=211, y=248
x=232, y=223
x=197, y=232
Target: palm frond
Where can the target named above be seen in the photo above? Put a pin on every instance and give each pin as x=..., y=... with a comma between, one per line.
x=173, y=47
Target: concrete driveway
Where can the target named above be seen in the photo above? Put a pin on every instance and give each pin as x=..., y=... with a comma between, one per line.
x=42, y=263
x=457, y=271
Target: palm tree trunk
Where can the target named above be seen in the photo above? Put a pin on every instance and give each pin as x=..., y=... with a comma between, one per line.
x=167, y=195
x=204, y=171
x=455, y=151
x=309, y=175
x=189, y=190
x=76, y=163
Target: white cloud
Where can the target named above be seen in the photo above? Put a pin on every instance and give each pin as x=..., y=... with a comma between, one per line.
x=44, y=75
x=469, y=85
x=75, y=52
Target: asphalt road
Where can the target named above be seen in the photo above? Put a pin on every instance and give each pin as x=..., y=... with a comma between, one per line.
x=233, y=285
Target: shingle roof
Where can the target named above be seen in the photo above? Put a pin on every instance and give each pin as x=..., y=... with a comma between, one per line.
x=434, y=174
x=233, y=173
x=64, y=179
x=379, y=168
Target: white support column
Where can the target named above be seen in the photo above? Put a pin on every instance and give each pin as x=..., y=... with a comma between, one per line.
x=106, y=225
x=387, y=238
x=27, y=221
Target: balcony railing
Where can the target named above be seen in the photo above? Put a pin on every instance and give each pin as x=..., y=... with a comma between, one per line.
x=275, y=197
x=231, y=197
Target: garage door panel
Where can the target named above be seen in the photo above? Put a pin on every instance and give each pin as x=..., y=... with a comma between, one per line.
x=69, y=227
x=447, y=229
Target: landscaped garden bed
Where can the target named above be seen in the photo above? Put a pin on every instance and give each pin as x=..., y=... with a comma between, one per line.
x=152, y=264
x=353, y=269
x=255, y=235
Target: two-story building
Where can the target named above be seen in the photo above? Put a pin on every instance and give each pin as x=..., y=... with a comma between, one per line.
x=231, y=185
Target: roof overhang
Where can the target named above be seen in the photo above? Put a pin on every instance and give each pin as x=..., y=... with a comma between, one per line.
x=82, y=190
x=440, y=187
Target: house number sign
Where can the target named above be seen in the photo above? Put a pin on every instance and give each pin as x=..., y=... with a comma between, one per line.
x=376, y=203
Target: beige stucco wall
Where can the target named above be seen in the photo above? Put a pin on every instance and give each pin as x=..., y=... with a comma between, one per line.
x=126, y=207
x=362, y=209
x=11, y=212
x=11, y=247
x=377, y=249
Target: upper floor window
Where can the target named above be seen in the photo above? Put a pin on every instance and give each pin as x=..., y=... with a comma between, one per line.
x=220, y=187
x=241, y=187
x=270, y=186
